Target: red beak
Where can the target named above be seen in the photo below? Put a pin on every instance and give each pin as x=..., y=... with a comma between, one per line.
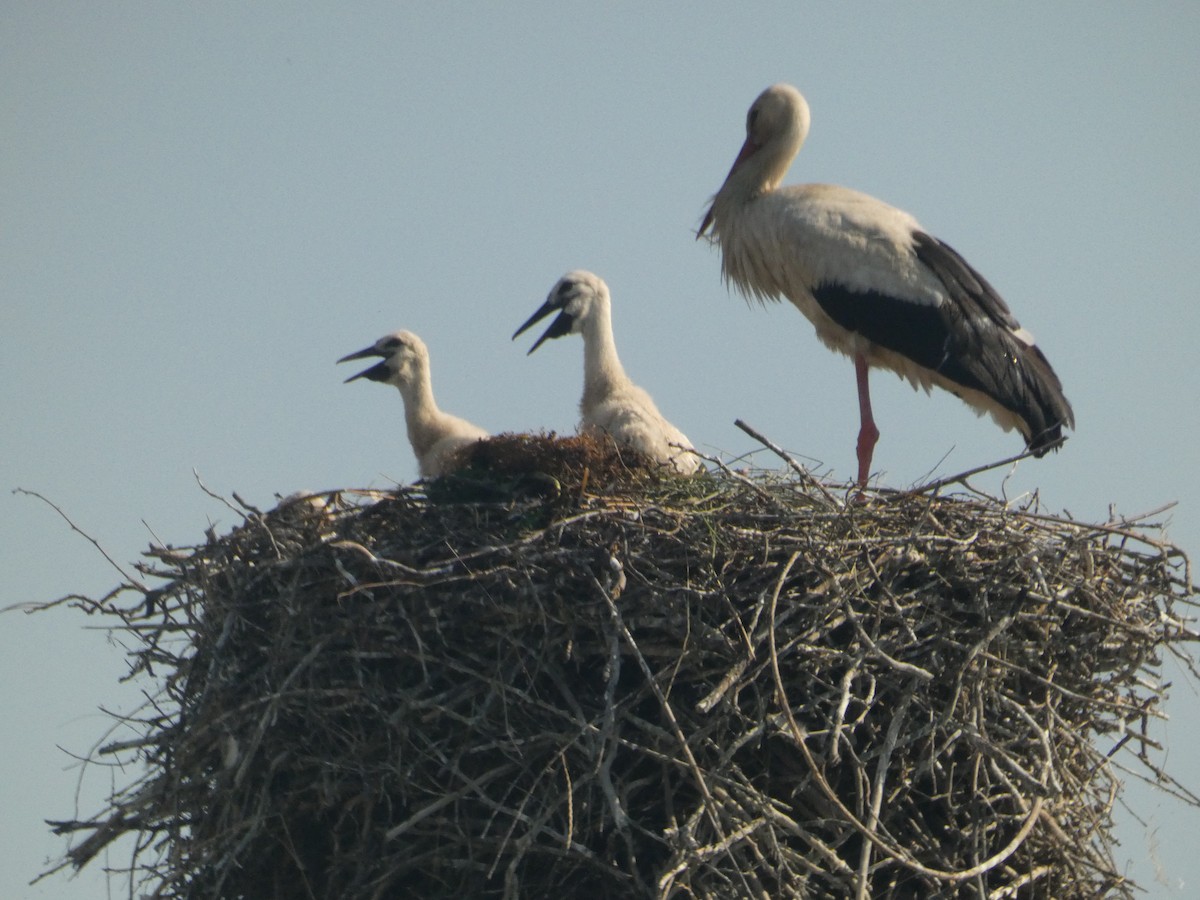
x=749, y=148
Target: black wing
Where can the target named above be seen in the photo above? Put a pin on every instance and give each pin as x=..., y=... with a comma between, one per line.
x=969, y=340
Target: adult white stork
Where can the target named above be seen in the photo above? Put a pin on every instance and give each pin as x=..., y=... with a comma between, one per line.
x=611, y=402
x=876, y=285
x=436, y=437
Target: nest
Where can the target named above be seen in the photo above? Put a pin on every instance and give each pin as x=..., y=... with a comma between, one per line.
x=560, y=674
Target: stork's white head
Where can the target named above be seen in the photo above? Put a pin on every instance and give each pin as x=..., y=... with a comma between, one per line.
x=404, y=359
x=779, y=114
x=578, y=297
x=776, y=126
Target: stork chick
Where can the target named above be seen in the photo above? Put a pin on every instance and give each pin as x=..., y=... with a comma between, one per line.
x=611, y=402
x=436, y=437
x=876, y=285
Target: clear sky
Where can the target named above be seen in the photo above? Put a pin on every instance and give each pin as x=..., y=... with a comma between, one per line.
x=202, y=206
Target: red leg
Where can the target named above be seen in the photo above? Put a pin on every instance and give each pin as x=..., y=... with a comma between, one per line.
x=868, y=434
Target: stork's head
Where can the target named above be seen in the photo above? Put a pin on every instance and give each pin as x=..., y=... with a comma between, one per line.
x=403, y=358
x=780, y=114
x=776, y=125
x=577, y=297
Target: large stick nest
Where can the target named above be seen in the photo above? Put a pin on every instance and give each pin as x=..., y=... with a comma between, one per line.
x=552, y=675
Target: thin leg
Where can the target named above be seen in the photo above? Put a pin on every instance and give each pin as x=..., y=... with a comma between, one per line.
x=868, y=434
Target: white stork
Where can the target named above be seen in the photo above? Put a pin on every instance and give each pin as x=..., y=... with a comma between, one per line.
x=876, y=285
x=611, y=402
x=436, y=437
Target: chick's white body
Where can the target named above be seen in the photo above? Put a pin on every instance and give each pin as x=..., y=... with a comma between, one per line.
x=437, y=438
x=611, y=404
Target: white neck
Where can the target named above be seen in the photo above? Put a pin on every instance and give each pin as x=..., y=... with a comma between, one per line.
x=602, y=370
x=759, y=175
x=421, y=413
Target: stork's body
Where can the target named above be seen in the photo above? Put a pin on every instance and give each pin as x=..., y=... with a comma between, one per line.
x=876, y=285
x=611, y=402
x=436, y=437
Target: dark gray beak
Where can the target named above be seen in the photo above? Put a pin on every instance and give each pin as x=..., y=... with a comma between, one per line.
x=559, y=327
x=377, y=372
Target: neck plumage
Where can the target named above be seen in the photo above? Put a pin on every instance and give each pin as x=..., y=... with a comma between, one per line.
x=421, y=413
x=759, y=174
x=602, y=370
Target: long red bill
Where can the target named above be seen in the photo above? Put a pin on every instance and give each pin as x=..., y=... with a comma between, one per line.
x=749, y=148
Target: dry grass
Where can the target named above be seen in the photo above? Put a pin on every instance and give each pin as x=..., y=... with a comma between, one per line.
x=558, y=674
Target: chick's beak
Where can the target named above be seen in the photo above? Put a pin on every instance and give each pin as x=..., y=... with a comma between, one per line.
x=377, y=372
x=559, y=327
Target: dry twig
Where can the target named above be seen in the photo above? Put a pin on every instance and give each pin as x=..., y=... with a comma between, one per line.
x=502, y=684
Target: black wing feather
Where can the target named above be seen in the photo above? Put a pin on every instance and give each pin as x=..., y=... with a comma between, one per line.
x=969, y=340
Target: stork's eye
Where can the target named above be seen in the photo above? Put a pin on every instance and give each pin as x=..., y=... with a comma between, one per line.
x=751, y=118
x=392, y=343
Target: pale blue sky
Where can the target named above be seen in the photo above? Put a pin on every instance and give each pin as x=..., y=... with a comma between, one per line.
x=203, y=206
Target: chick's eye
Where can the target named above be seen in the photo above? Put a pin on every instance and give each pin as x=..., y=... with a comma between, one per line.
x=751, y=118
